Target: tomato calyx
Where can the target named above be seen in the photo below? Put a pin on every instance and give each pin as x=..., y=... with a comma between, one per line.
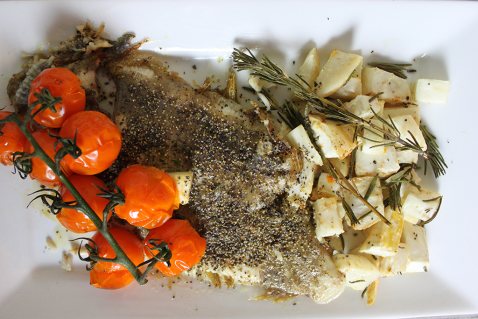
x=164, y=254
x=56, y=204
x=22, y=164
x=93, y=253
x=112, y=193
x=46, y=101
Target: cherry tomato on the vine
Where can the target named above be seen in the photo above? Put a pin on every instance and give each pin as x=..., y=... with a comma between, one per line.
x=75, y=220
x=108, y=275
x=11, y=141
x=186, y=246
x=150, y=194
x=98, y=138
x=42, y=172
x=62, y=83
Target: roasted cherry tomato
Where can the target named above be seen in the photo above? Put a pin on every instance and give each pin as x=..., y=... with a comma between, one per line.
x=98, y=138
x=42, y=172
x=150, y=196
x=108, y=275
x=73, y=219
x=11, y=141
x=186, y=246
x=62, y=83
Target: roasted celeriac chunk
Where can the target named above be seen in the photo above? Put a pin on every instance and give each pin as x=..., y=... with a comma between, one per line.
x=257, y=84
x=382, y=164
x=383, y=240
x=327, y=219
x=421, y=203
x=299, y=138
x=407, y=127
x=362, y=106
x=417, y=249
x=349, y=90
x=327, y=187
x=358, y=270
x=372, y=141
x=394, y=88
x=410, y=109
x=335, y=140
x=343, y=165
x=396, y=264
x=184, y=182
x=431, y=91
x=298, y=193
x=310, y=69
x=359, y=209
x=336, y=72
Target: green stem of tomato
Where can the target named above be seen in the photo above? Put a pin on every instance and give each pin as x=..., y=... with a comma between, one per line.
x=121, y=257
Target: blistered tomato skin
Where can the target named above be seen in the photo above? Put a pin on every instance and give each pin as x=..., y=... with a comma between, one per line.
x=108, y=275
x=42, y=172
x=150, y=196
x=62, y=83
x=98, y=138
x=75, y=220
x=186, y=246
x=11, y=141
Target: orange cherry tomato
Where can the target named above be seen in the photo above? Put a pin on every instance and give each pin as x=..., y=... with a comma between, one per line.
x=108, y=275
x=150, y=196
x=186, y=246
x=73, y=219
x=42, y=172
x=11, y=141
x=62, y=83
x=98, y=138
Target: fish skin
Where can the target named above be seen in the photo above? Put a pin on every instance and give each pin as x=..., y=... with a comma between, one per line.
x=239, y=201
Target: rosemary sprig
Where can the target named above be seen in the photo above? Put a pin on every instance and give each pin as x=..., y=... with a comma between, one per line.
x=439, y=198
x=268, y=71
x=395, y=68
x=437, y=162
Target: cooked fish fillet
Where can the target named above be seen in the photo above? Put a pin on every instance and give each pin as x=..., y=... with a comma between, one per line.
x=245, y=176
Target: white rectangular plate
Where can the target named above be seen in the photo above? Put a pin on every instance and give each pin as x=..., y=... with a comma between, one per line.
x=440, y=38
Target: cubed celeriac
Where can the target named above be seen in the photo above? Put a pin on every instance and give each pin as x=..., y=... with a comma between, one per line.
x=349, y=90
x=407, y=127
x=421, y=203
x=342, y=164
x=359, y=209
x=184, y=182
x=335, y=140
x=382, y=164
x=394, y=88
x=362, y=106
x=410, y=109
x=310, y=69
x=336, y=71
x=397, y=264
x=431, y=91
x=372, y=258
x=372, y=141
x=417, y=249
x=326, y=187
x=299, y=190
x=257, y=84
x=327, y=219
x=299, y=138
x=383, y=240
x=358, y=270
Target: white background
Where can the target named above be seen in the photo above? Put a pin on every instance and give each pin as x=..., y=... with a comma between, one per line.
x=441, y=39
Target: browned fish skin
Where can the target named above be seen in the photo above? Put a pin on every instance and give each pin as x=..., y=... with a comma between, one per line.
x=239, y=200
x=241, y=209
